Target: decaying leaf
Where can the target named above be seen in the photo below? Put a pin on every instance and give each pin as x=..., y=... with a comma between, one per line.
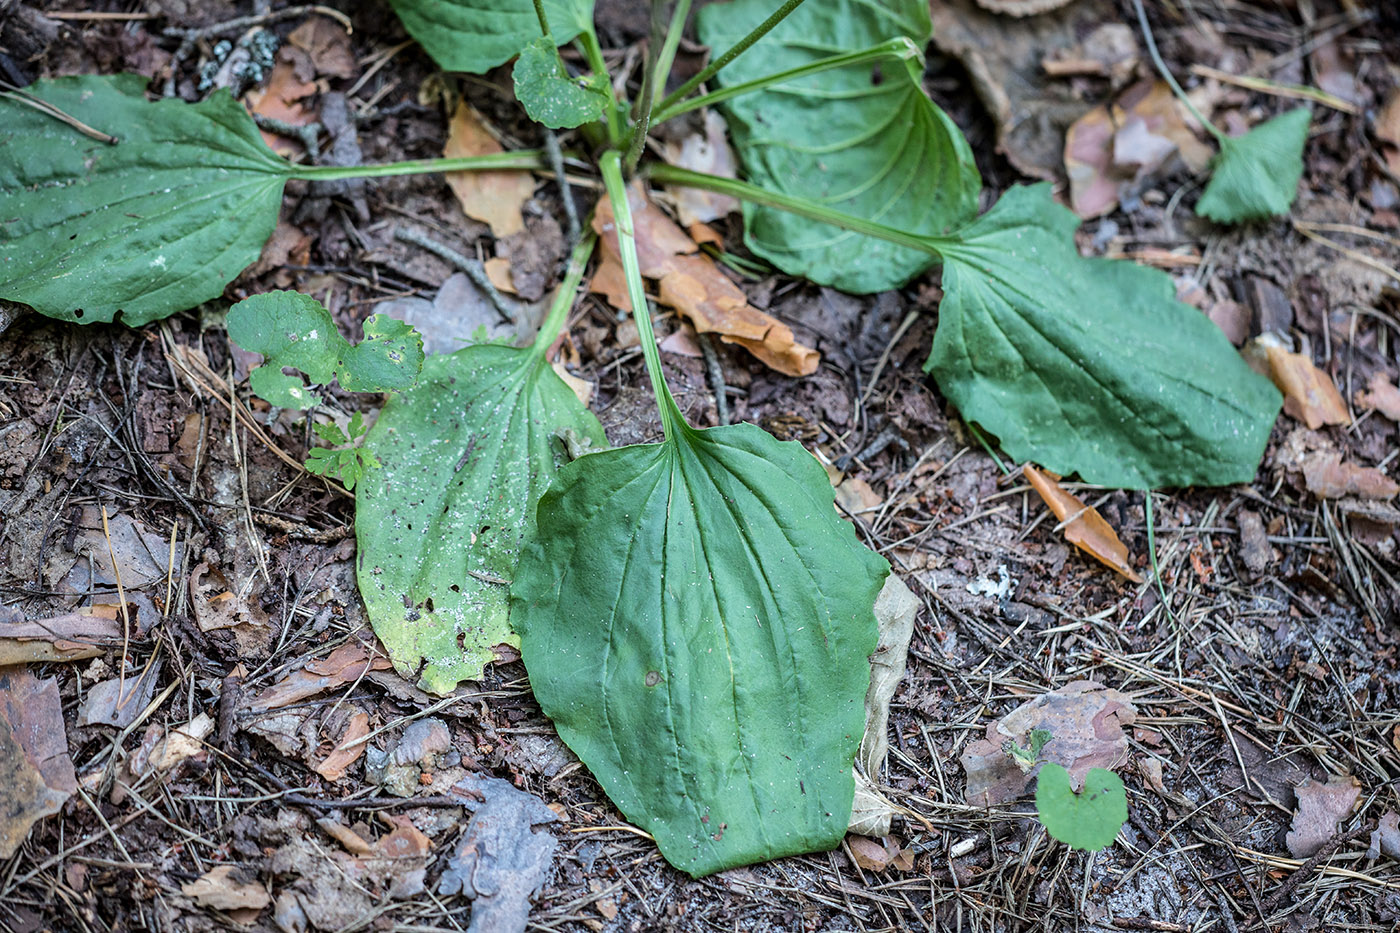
x=416, y=753
x=1388, y=131
x=879, y=854
x=1110, y=148
x=703, y=151
x=222, y=889
x=348, y=749
x=84, y=633
x=693, y=285
x=895, y=610
x=1385, y=840
x=281, y=98
x=327, y=45
x=341, y=667
x=118, y=701
x=1309, y=395
x=494, y=198
x=1086, y=720
x=502, y=861
x=1084, y=527
x=36, y=774
x=1320, y=808
x=1382, y=396
x=1328, y=476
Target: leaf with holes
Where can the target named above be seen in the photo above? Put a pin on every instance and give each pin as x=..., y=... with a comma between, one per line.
x=465, y=455
x=477, y=35
x=154, y=224
x=697, y=622
x=863, y=139
x=549, y=95
x=1090, y=365
x=295, y=331
x=1089, y=819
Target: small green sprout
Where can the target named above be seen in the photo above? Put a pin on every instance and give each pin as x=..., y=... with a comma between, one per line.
x=344, y=458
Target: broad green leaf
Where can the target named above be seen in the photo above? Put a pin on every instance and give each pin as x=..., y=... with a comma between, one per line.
x=465, y=455
x=1089, y=819
x=1090, y=366
x=696, y=620
x=1255, y=176
x=477, y=35
x=154, y=224
x=548, y=95
x=294, y=330
x=861, y=139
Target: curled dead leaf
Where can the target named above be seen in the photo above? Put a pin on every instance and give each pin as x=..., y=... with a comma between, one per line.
x=694, y=286
x=1083, y=526
x=85, y=633
x=347, y=750
x=344, y=665
x=1309, y=395
x=1381, y=396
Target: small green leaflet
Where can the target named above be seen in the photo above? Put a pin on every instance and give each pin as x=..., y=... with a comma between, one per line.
x=155, y=224
x=1089, y=819
x=1026, y=758
x=477, y=35
x=465, y=455
x=1255, y=176
x=549, y=95
x=863, y=139
x=342, y=459
x=294, y=330
x=1090, y=366
x=697, y=622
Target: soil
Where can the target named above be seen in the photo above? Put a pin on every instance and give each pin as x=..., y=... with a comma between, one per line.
x=1260, y=653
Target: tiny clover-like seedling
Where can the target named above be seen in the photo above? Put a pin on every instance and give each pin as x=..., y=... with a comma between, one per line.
x=1089, y=819
x=292, y=330
x=344, y=459
x=1026, y=757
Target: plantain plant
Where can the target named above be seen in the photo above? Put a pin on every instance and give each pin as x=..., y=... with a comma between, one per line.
x=693, y=615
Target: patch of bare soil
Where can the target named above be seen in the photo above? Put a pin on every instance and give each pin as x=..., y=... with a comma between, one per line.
x=244, y=757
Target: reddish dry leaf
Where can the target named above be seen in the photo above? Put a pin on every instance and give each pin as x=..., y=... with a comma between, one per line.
x=1382, y=396
x=1329, y=477
x=1320, y=808
x=352, y=841
x=343, y=666
x=347, y=751
x=220, y=889
x=1084, y=527
x=85, y=633
x=36, y=774
x=1086, y=720
x=694, y=286
x=879, y=854
x=494, y=198
x=1309, y=395
x=280, y=98
x=327, y=45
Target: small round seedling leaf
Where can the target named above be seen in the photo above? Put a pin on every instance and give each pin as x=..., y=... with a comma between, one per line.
x=549, y=95
x=697, y=621
x=154, y=224
x=1089, y=819
x=1256, y=175
x=292, y=330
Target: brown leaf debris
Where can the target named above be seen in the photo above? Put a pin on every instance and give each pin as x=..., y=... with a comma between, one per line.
x=494, y=198
x=1309, y=395
x=1083, y=526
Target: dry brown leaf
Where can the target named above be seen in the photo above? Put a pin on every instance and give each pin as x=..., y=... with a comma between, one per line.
x=220, y=889
x=1328, y=476
x=1309, y=395
x=694, y=286
x=280, y=98
x=1086, y=720
x=347, y=751
x=1083, y=527
x=36, y=774
x=498, y=271
x=1388, y=131
x=879, y=854
x=1381, y=396
x=583, y=389
x=494, y=198
x=1320, y=808
x=343, y=666
x=350, y=840
x=1385, y=840
x=118, y=701
x=73, y=636
x=707, y=152
x=327, y=45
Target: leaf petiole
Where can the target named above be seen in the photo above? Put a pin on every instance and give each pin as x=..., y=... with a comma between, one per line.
x=520, y=159
x=672, y=421
x=902, y=49
x=564, y=297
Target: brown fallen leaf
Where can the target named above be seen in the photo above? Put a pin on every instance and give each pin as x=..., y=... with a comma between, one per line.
x=879, y=854
x=1083, y=526
x=343, y=666
x=1328, y=476
x=281, y=98
x=222, y=889
x=327, y=44
x=498, y=271
x=350, y=840
x=36, y=774
x=85, y=633
x=118, y=701
x=348, y=749
x=705, y=151
x=1387, y=128
x=1309, y=395
x=494, y=198
x=1382, y=396
x=1111, y=149
x=1320, y=808
x=1385, y=840
x=694, y=286
x=1086, y=720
